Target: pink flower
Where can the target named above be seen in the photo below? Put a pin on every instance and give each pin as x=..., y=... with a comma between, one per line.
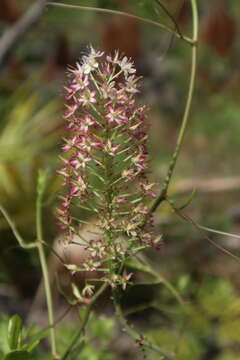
x=79, y=187
x=70, y=110
x=89, y=120
x=87, y=97
x=129, y=174
x=140, y=161
x=121, y=200
x=80, y=160
x=110, y=149
x=63, y=171
x=116, y=115
x=80, y=83
x=147, y=189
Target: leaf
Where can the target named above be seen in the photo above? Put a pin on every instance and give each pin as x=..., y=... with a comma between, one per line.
x=77, y=293
x=18, y=355
x=35, y=339
x=14, y=335
x=32, y=345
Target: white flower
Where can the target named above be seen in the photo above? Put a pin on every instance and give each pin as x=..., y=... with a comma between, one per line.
x=76, y=71
x=89, y=62
x=95, y=53
x=126, y=66
x=114, y=59
x=90, y=65
x=131, y=84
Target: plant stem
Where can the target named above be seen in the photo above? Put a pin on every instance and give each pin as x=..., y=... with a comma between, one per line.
x=133, y=333
x=43, y=262
x=122, y=13
x=186, y=114
x=84, y=322
x=147, y=268
x=12, y=226
x=202, y=232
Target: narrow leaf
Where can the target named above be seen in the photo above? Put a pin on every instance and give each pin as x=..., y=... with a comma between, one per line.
x=14, y=335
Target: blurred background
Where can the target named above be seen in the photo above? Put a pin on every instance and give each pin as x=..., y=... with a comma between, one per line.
x=33, y=74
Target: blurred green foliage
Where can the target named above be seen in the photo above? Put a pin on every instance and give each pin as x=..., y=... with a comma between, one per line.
x=207, y=325
x=29, y=130
x=16, y=341
x=30, y=133
x=96, y=344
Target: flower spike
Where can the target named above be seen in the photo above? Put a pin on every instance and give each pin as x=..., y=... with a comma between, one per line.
x=105, y=162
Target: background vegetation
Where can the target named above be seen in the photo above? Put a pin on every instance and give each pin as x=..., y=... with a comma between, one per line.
x=206, y=325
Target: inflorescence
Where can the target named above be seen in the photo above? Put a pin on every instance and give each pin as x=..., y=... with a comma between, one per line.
x=105, y=163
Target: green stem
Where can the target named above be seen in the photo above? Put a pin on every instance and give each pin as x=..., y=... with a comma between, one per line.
x=84, y=322
x=147, y=268
x=12, y=226
x=43, y=262
x=186, y=114
x=122, y=13
x=133, y=333
x=201, y=231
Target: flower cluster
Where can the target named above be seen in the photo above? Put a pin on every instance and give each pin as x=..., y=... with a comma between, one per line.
x=106, y=160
